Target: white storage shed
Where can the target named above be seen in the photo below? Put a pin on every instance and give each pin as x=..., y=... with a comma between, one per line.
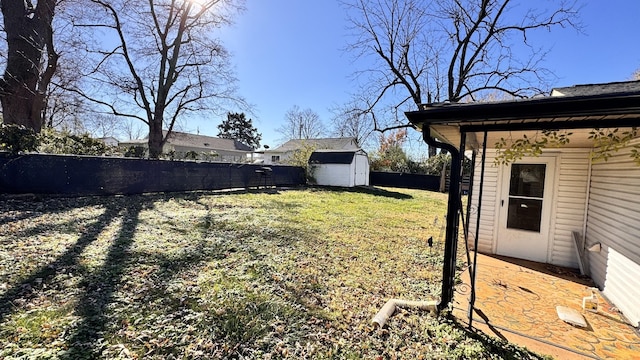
x=347, y=168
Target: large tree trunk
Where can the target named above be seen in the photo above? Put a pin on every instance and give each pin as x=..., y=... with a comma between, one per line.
x=156, y=141
x=25, y=78
x=156, y=136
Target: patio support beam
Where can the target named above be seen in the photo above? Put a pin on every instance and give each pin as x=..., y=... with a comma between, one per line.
x=453, y=208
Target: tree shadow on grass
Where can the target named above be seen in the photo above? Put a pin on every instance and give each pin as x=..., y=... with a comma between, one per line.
x=38, y=205
x=97, y=287
x=246, y=311
x=27, y=288
x=98, y=290
x=92, y=335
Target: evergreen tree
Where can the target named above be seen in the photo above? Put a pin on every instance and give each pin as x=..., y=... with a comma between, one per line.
x=237, y=127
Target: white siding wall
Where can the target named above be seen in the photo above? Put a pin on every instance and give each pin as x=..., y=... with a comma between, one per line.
x=570, y=200
x=489, y=211
x=570, y=205
x=614, y=221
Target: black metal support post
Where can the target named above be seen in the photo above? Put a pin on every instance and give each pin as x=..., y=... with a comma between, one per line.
x=470, y=192
x=453, y=207
x=469, y=197
x=474, y=267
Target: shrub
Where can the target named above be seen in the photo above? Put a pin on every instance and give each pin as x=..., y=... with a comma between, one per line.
x=17, y=138
x=135, y=151
x=393, y=158
x=209, y=156
x=435, y=164
x=301, y=157
x=191, y=155
x=62, y=142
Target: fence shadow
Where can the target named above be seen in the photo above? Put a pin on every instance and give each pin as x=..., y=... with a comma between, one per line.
x=371, y=190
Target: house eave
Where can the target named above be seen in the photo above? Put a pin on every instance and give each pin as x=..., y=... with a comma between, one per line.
x=562, y=112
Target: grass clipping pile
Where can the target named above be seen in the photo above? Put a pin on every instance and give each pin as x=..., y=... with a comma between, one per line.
x=295, y=274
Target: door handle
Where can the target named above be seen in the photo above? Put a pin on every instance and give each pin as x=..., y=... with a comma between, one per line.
x=501, y=203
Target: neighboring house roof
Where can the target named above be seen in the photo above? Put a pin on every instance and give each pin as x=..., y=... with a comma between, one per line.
x=133, y=142
x=324, y=143
x=333, y=156
x=205, y=142
x=198, y=141
x=109, y=140
x=596, y=89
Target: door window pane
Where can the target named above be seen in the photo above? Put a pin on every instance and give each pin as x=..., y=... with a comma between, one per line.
x=526, y=189
x=524, y=214
x=527, y=180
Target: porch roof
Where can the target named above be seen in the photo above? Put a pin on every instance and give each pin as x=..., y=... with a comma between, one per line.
x=555, y=112
x=456, y=126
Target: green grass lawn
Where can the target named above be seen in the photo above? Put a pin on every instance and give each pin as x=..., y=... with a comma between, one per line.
x=295, y=274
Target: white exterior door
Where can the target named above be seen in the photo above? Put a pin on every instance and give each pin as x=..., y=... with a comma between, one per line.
x=526, y=200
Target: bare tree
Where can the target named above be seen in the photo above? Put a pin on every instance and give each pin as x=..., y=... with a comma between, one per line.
x=349, y=121
x=163, y=61
x=60, y=109
x=31, y=60
x=131, y=129
x=103, y=125
x=64, y=109
x=301, y=124
x=636, y=75
x=448, y=50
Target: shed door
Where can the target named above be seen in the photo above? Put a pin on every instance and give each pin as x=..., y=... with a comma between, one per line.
x=361, y=170
x=525, y=209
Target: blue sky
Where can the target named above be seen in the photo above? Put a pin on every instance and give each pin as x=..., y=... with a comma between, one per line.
x=290, y=52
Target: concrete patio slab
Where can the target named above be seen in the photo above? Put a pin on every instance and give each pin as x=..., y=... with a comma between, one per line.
x=517, y=299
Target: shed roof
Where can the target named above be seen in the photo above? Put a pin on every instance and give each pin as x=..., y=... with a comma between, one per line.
x=334, y=156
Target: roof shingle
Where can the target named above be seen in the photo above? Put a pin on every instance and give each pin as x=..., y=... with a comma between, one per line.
x=323, y=143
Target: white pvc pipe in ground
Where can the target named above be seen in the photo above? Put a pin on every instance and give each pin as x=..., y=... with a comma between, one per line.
x=390, y=307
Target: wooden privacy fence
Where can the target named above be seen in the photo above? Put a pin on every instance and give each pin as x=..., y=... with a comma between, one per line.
x=91, y=175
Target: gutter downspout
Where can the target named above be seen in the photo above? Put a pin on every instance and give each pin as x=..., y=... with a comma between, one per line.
x=453, y=208
x=451, y=241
